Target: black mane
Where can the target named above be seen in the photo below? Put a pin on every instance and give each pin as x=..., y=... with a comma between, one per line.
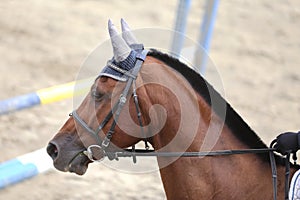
x=232, y=119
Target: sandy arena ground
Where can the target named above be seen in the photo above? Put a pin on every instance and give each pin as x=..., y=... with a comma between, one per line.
x=255, y=46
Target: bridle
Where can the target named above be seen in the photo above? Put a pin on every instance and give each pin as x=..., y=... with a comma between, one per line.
x=114, y=113
x=103, y=144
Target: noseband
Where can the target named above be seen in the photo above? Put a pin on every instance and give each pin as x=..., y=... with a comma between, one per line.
x=114, y=113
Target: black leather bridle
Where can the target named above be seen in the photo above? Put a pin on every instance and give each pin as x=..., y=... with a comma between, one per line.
x=102, y=145
x=114, y=113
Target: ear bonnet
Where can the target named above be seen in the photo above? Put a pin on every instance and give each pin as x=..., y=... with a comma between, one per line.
x=125, y=49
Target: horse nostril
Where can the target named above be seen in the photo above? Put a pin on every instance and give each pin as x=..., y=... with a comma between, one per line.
x=52, y=150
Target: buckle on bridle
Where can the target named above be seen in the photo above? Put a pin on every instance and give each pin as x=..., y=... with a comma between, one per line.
x=105, y=142
x=95, y=153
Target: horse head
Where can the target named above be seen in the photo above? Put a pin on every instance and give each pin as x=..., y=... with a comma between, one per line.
x=104, y=108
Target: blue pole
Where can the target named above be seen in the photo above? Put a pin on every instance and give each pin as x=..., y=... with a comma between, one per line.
x=24, y=167
x=205, y=36
x=19, y=103
x=180, y=27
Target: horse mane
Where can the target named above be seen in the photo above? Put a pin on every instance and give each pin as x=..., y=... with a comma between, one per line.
x=232, y=119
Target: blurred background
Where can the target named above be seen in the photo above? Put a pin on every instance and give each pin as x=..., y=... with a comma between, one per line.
x=255, y=46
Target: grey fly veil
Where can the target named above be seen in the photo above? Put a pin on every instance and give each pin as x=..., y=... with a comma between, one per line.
x=125, y=49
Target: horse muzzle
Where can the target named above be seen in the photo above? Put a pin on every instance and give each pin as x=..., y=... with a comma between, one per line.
x=71, y=160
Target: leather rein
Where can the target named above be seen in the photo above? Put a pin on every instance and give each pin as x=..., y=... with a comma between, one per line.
x=114, y=113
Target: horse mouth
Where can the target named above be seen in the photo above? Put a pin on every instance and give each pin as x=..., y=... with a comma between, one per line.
x=68, y=161
x=79, y=164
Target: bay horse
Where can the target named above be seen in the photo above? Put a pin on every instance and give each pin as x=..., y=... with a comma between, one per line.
x=174, y=109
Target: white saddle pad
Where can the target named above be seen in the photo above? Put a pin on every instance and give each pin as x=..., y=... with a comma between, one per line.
x=294, y=193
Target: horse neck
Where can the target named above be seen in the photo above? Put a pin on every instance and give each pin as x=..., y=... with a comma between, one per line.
x=219, y=177
x=191, y=125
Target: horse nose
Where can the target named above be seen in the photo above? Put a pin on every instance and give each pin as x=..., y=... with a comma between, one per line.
x=52, y=150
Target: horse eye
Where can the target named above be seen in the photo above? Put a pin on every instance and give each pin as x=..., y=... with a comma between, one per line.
x=97, y=95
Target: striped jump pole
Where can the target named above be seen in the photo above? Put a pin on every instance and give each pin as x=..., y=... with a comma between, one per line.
x=24, y=167
x=34, y=163
x=45, y=96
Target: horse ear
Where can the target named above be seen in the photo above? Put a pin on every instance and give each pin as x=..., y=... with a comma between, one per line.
x=120, y=48
x=128, y=36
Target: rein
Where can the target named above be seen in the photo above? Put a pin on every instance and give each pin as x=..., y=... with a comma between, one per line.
x=152, y=153
x=101, y=148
